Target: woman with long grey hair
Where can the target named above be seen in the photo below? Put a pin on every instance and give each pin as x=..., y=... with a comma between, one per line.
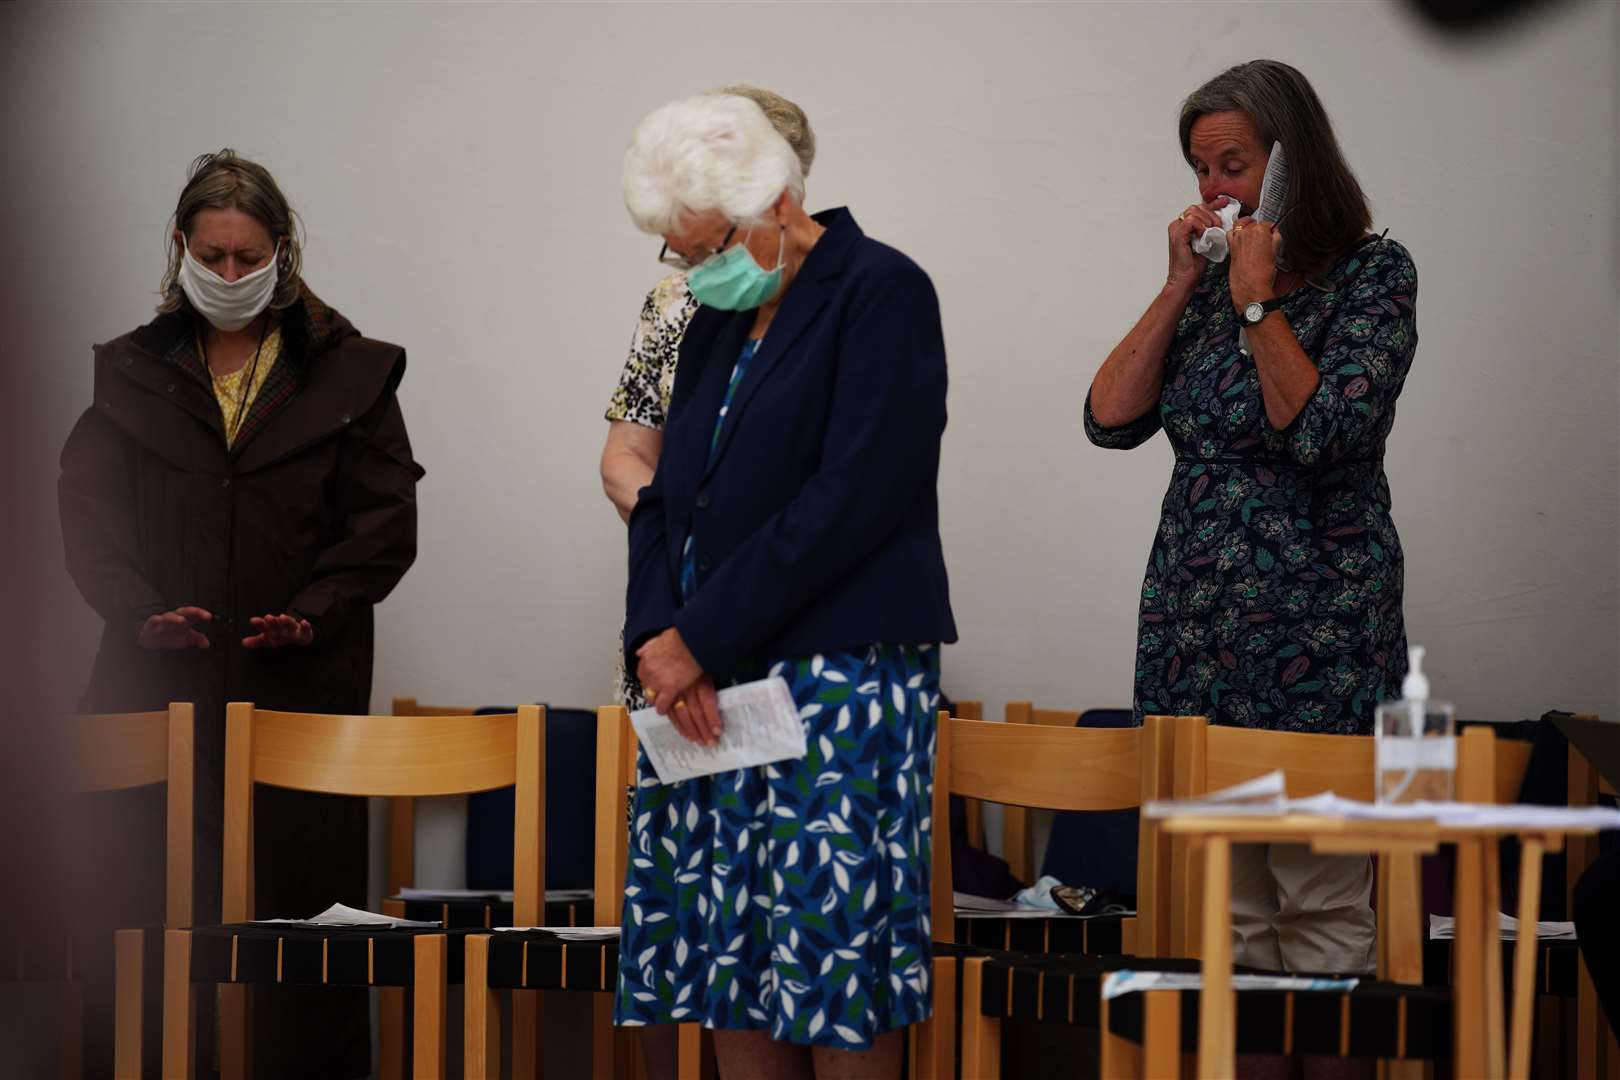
x=1272, y=597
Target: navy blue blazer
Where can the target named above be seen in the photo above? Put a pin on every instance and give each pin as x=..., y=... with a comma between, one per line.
x=816, y=527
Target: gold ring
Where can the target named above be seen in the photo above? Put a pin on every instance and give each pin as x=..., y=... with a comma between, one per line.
x=1238, y=228
x=680, y=704
x=652, y=695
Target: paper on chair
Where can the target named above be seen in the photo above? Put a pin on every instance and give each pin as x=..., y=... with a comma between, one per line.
x=568, y=933
x=340, y=916
x=1132, y=982
x=1444, y=927
x=759, y=725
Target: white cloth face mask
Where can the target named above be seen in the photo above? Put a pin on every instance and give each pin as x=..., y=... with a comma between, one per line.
x=228, y=305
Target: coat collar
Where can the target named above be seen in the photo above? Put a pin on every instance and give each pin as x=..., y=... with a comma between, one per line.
x=804, y=300
x=326, y=377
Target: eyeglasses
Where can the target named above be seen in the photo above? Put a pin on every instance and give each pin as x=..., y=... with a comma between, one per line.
x=681, y=262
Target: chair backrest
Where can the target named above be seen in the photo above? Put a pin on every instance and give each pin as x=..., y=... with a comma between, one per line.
x=399, y=868
x=1215, y=757
x=1018, y=829
x=615, y=773
x=1054, y=768
x=386, y=756
x=116, y=751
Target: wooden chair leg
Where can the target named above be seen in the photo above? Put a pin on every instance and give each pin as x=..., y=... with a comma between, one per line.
x=235, y=1038
x=129, y=969
x=1161, y=1035
x=933, y=1042
x=428, y=1007
x=480, y=1036
x=70, y=1033
x=602, y=1035
x=981, y=1035
x=1119, y=1058
x=526, y=1034
x=1496, y=1012
x=688, y=1052
x=179, y=1008
x=391, y=1032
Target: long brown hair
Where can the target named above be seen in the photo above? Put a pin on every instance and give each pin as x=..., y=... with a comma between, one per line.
x=228, y=181
x=1325, y=210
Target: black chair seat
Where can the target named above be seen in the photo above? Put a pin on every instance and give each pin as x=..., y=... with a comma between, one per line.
x=476, y=912
x=538, y=960
x=1365, y=1022
x=270, y=953
x=1102, y=934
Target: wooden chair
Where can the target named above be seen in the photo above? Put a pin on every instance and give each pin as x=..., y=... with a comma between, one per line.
x=973, y=710
x=358, y=756
x=508, y=961
x=115, y=752
x=1049, y=767
x=1492, y=770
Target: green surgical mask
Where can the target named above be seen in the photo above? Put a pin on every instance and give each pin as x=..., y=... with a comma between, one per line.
x=733, y=281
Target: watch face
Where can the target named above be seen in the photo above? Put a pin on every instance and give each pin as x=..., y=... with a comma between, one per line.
x=1254, y=313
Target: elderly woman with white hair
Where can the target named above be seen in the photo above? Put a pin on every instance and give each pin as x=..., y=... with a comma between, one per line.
x=792, y=529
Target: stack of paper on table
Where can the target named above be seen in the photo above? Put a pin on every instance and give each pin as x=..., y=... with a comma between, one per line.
x=1266, y=796
x=343, y=917
x=1132, y=982
x=1444, y=927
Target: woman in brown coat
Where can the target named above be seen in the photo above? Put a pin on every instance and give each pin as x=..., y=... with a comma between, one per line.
x=236, y=500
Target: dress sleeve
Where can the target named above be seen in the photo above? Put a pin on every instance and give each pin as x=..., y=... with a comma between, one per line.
x=1126, y=436
x=642, y=395
x=1363, y=362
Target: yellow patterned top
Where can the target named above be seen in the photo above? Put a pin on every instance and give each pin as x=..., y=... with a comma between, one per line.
x=234, y=398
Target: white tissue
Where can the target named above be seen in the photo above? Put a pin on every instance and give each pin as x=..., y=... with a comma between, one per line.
x=1213, y=243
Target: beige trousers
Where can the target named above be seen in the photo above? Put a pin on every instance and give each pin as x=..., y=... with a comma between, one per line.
x=1293, y=910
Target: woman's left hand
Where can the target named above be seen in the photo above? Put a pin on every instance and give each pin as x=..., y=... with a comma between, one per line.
x=667, y=671
x=1255, y=246
x=275, y=631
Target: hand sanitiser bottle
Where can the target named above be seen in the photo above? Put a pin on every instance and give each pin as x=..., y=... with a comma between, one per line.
x=1415, y=744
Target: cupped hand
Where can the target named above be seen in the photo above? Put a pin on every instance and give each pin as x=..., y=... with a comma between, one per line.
x=276, y=631
x=1186, y=265
x=174, y=630
x=1255, y=246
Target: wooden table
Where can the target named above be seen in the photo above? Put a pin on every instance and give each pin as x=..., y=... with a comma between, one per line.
x=1478, y=1030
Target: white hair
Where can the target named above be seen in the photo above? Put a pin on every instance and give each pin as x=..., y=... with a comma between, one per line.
x=710, y=152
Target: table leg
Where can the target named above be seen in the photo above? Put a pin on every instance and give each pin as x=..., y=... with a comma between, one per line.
x=1217, y=1009
x=1495, y=1008
x=1468, y=954
x=1524, y=957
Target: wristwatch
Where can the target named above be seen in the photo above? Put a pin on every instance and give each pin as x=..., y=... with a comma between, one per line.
x=1253, y=313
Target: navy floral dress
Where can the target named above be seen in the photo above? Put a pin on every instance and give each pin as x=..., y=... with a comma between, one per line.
x=793, y=898
x=1272, y=597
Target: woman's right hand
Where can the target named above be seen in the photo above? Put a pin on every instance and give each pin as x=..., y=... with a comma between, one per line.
x=174, y=630
x=1186, y=265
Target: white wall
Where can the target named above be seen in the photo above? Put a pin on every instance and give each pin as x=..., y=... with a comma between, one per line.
x=458, y=171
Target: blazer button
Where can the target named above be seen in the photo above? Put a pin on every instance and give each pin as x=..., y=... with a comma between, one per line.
x=703, y=563
x=347, y=419
x=224, y=481
x=171, y=388
x=128, y=360
x=703, y=500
